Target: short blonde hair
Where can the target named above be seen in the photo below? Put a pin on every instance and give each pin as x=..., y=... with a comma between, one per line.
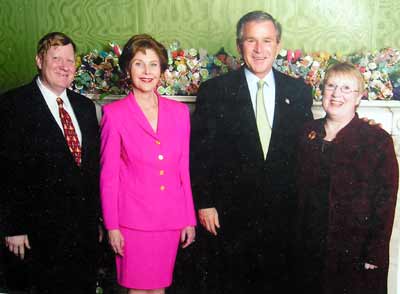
x=348, y=70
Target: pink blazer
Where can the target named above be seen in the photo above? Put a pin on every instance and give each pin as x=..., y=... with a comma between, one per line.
x=144, y=180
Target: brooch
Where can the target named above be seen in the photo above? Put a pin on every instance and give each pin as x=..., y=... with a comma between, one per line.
x=312, y=135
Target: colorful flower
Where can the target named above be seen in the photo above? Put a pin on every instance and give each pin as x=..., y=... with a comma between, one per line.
x=98, y=72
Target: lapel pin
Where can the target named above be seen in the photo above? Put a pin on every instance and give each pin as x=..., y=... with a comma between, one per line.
x=287, y=101
x=312, y=135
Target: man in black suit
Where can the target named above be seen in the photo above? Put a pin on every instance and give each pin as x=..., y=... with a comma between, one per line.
x=49, y=150
x=242, y=173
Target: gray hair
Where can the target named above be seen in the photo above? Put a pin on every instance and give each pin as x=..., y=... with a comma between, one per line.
x=257, y=16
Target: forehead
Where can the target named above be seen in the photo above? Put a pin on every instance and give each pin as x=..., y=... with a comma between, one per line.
x=342, y=77
x=65, y=50
x=256, y=28
x=148, y=54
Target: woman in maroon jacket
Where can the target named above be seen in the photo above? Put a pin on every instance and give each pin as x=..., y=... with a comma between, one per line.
x=347, y=183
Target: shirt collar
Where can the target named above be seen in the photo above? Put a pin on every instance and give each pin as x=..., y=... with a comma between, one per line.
x=252, y=79
x=48, y=93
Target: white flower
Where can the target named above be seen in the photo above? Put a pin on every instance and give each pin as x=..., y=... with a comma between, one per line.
x=202, y=53
x=376, y=75
x=192, y=52
x=204, y=73
x=181, y=67
x=372, y=65
x=283, y=52
x=367, y=75
x=196, y=76
x=372, y=96
x=192, y=63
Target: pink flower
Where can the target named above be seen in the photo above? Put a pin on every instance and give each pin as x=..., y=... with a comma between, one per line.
x=116, y=49
x=297, y=55
x=289, y=56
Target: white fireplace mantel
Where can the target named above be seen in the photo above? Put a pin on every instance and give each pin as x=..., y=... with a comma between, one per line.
x=387, y=113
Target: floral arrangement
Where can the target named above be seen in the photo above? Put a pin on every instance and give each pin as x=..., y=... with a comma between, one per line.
x=187, y=68
x=99, y=73
x=309, y=67
x=380, y=69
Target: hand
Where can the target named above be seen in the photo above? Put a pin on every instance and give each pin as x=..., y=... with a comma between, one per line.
x=209, y=219
x=17, y=244
x=369, y=266
x=116, y=241
x=187, y=236
x=372, y=122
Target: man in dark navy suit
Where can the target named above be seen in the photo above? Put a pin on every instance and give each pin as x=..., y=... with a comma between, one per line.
x=244, y=132
x=49, y=150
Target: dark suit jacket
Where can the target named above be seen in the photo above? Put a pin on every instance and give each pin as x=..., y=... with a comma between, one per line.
x=45, y=194
x=361, y=201
x=253, y=196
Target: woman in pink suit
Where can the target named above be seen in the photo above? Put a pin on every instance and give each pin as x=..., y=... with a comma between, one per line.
x=145, y=185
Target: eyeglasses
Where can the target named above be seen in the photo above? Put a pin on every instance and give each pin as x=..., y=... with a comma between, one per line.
x=344, y=89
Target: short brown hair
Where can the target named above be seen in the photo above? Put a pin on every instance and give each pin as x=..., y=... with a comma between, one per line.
x=257, y=16
x=53, y=39
x=140, y=43
x=347, y=69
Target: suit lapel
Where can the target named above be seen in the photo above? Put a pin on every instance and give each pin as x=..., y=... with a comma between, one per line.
x=247, y=124
x=140, y=117
x=279, y=89
x=42, y=115
x=281, y=124
x=48, y=126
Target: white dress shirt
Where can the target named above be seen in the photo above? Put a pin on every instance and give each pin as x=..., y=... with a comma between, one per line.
x=51, y=102
x=268, y=91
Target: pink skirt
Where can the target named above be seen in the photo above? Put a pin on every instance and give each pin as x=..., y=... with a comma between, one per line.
x=149, y=259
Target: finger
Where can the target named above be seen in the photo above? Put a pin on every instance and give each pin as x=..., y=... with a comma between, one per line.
x=22, y=252
x=121, y=247
x=204, y=224
x=193, y=234
x=189, y=240
x=117, y=248
x=15, y=250
x=207, y=224
x=183, y=236
x=216, y=220
x=122, y=242
x=26, y=243
x=212, y=228
x=186, y=244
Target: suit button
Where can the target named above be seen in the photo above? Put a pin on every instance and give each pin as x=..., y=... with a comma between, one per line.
x=162, y=187
x=162, y=172
x=160, y=157
x=158, y=142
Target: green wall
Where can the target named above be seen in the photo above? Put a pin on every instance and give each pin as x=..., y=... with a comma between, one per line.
x=342, y=25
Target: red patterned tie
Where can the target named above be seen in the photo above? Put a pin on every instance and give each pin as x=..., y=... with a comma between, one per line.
x=69, y=132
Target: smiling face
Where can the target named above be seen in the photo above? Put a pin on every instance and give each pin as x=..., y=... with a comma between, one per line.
x=145, y=71
x=341, y=96
x=57, y=67
x=259, y=46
